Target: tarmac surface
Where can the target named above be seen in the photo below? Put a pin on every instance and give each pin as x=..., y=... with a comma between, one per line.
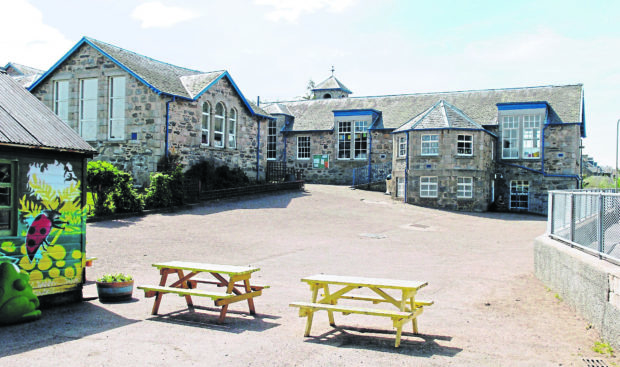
x=489, y=308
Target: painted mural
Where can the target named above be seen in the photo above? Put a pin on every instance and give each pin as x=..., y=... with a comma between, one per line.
x=51, y=227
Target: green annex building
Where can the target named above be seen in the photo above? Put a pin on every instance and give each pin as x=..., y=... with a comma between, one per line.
x=42, y=197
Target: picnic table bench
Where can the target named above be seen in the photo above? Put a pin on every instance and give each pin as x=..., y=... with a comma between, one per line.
x=236, y=279
x=407, y=307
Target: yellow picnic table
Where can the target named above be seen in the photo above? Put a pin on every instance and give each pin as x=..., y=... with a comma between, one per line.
x=236, y=279
x=406, y=307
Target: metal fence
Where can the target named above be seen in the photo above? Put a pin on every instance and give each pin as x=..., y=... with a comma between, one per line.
x=377, y=173
x=588, y=219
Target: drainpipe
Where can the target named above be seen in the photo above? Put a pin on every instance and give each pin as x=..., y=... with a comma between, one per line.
x=258, y=152
x=167, y=122
x=406, y=168
x=369, y=154
x=285, y=140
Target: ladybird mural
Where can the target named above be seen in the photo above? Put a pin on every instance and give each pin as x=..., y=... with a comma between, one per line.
x=51, y=228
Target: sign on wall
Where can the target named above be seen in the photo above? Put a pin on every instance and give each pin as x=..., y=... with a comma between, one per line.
x=320, y=161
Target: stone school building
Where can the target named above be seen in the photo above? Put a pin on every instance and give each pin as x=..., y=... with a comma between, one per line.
x=469, y=150
x=134, y=110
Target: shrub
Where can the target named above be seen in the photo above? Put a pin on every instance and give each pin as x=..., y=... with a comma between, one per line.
x=212, y=178
x=101, y=178
x=125, y=197
x=159, y=194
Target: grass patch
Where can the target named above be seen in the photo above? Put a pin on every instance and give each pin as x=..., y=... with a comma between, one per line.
x=603, y=348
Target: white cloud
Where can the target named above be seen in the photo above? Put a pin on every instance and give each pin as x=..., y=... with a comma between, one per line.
x=290, y=10
x=157, y=15
x=27, y=39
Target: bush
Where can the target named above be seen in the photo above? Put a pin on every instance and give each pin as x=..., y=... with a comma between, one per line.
x=125, y=197
x=101, y=178
x=212, y=178
x=159, y=193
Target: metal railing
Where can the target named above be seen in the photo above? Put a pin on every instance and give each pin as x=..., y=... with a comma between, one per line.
x=587, y=219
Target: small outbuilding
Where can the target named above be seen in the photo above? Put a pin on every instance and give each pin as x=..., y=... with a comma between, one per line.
x=42, y=192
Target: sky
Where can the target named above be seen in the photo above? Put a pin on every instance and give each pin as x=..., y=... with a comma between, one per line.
x=273, y=48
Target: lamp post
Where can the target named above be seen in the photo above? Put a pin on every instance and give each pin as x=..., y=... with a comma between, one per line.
x=616, y=173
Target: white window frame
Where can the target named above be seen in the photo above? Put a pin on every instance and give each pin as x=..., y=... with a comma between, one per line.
x=84, y=101
x=272, y=152
x=345, y=138
x=61, y=99
x=430, y=146
x=7, y=190
x=518, y=190
x=232, y=129
x=402, y=146
x=531, y=140
x=400, y=187
x=205, y=124
x=464, y=187
x=510, y=136
x=429, y=186
x=303, y=147
x=463, y=145
x=360, y=140
x=116, y=118
x=219, y=118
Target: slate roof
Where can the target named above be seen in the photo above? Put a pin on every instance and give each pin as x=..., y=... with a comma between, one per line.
x=24, y=75
x=441, y=115
x=161, y=77
x=331, y=83
x=26, y=121
x=565, y=101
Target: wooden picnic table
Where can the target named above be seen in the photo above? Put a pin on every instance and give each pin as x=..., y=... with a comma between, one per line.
x=236, y=279
x=407, y=308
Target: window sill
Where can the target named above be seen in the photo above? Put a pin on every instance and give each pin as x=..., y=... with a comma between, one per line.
x=203, y=145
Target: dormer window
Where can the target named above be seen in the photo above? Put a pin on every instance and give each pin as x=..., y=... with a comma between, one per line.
x=520, y=129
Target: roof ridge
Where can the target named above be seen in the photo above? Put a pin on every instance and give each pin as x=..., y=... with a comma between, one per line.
x=141, y=55
x=445, y=92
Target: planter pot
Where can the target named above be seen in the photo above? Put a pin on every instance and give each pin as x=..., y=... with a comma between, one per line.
x=115, y=292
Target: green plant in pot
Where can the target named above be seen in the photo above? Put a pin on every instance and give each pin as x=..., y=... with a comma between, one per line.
x=115, y=287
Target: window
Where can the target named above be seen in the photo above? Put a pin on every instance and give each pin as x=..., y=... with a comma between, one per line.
x=61, y=99
x=206, y=123
x=344, y=139
x=219, y=125
x=531, y=136
x=361, y=139
x=232, y=129
x=464, y=187
x=430, y=144
x=117, y=107
x=521, y=136
x=356, y=132
x=510, y=137
x=303, y=147
x=7, y=203
x=465, y=145
x=400, y=187
x=519, y=194
x=271, y=139
x=88, y=109
x=428, y=187
x=402, y=146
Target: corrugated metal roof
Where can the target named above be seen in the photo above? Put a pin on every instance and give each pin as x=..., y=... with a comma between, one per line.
x=24, y=120
x=479, y=105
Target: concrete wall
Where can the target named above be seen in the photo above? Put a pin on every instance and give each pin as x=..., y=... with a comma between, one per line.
x=589, y=285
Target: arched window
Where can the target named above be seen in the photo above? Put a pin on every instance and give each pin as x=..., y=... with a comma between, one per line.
x=219, y=125
x=232, y=129
x=206, y=123
x=327, y=95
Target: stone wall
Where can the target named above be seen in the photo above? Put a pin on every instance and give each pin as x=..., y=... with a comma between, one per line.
x=185, y=128
x=340, y=171
x=145, y=120
x=447, y=166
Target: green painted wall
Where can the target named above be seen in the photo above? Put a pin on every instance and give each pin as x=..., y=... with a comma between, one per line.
x=49, y=238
